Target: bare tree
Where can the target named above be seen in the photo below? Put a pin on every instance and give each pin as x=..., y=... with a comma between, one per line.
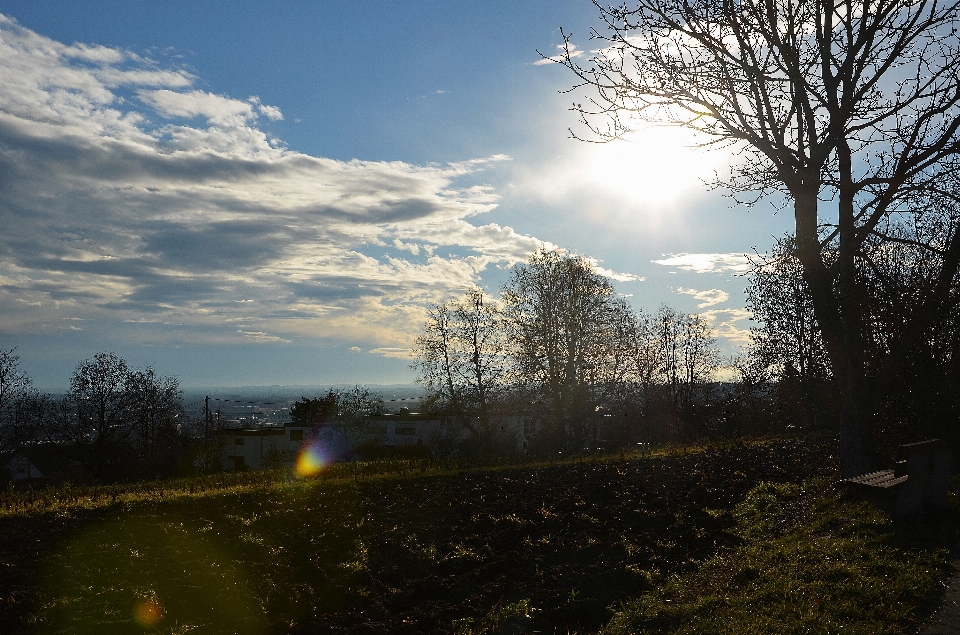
x=155, y=413
x=788, y=345
x=569, y=326
x=686, y=357
x=99, y=389
x=462, y=359
x=15, y=387
x=852, y=102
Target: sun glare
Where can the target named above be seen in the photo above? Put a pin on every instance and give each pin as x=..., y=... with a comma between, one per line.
x=311, y=460
x=148, y=613
x=655, y=165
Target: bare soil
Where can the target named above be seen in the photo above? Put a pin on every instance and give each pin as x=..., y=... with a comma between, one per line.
x=440, y=553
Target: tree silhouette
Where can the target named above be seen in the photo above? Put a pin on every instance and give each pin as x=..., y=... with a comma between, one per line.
x=462, y=362
x=856, y=103
x=15, y=388
x=569, y=329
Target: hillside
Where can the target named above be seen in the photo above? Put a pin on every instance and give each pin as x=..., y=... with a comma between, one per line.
x=522, y=549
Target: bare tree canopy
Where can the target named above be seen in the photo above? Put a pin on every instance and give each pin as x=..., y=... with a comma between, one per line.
x=462, y=362
x=848, y=108
x=15, y=387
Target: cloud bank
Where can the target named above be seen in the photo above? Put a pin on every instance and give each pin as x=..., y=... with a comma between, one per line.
x=130, y=199
x=707, y=263
x=707, y=298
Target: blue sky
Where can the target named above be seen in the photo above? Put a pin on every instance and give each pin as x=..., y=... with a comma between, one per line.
x=255, y=193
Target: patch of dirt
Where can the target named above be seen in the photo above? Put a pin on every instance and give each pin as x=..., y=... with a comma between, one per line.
x=574, y=539
x=444, y=553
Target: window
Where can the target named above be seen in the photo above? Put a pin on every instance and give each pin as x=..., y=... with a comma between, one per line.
x=238, y=441
x=296, y=435
x=406, y=430
x=528, y=427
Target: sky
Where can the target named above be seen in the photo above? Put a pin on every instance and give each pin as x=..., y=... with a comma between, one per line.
x=259, y=193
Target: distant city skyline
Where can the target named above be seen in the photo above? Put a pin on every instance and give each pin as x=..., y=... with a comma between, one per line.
x=259, y=193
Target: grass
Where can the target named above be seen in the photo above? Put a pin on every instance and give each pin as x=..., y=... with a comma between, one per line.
x=69, y=497
x=682, y=540
x=809, y=562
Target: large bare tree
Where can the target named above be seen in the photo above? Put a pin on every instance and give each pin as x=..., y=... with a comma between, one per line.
x=462, y=362
x=849, y=108
x=15, y=388
x=570, y=330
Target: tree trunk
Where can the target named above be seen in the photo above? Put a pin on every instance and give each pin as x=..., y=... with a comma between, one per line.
x=839, y=328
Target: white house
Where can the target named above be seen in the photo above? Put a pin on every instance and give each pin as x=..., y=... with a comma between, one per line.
x=278, y=446
x=20, y=467
x=262, y=448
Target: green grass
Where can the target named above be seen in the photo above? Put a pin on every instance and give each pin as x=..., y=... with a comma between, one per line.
x=809, y=562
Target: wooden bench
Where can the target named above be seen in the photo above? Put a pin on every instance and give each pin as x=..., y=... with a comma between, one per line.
x=920, y=479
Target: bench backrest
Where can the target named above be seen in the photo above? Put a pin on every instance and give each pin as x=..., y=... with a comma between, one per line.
x=920, y=447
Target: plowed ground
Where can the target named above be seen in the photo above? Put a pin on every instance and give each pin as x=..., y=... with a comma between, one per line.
x=429, y=554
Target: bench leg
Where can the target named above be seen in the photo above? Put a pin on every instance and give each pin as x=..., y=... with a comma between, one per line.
x=910, y=500
x=935, y=495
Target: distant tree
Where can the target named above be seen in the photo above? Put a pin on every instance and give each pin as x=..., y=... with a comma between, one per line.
x=345, y=412
x=15, y=388
x=787, y=341
x=462, y=361
x=687, y=353
x=100, y=392
x=155, y=413
x=313, y=411
x=358, y=403
x=787, y=335
x=568, y=327
x=786, y=345
x=854, y=103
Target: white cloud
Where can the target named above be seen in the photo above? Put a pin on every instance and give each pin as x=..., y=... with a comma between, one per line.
x=398, y=353
x=707, y=298
x=614, y=275
x=167, y=208
x=727, y=323
x=707, y=263
x=216, y=109
x=561, y=55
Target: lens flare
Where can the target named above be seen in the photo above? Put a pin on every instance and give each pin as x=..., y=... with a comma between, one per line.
x=311, y=460
x=147, y=613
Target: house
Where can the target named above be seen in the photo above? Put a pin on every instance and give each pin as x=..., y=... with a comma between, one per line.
x=20, y=467
x=404, y=428
x=41, y=464
x=263, y=448
x=277, y=446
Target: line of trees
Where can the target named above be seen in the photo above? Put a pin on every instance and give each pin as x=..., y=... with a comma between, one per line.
x=115, y=421
x=564, y=351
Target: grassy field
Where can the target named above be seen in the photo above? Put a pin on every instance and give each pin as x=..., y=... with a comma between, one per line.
x=744, y=538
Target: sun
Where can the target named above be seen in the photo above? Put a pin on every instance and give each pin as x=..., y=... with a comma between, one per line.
x=655, y=166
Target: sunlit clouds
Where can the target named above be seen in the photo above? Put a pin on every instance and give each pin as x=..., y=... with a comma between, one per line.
x=704, y=263
x=130, y=196
x=731, y=324
x=707, y=298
